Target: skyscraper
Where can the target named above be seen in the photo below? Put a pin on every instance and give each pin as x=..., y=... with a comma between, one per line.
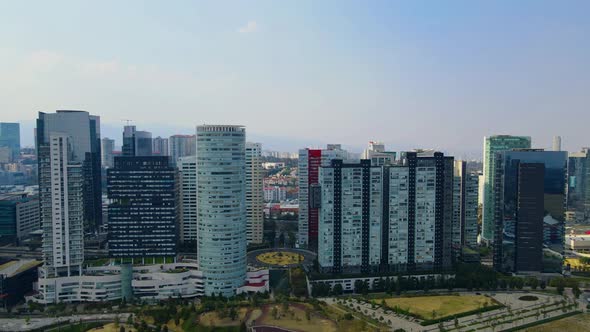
x=529, y=210
x=310, y=160
x=83, y=133
x=61, y=181
x=136, y=143
x=107, y=146
x=143, y=213
x=350, y=217
x=160, y=146
x=465, y=195
x=10, y=138
x=254, y=193
x=187, y=167
x=221, y=204
x=394, y=218
x=578, y=184
x=181, y=146
x=493, y=145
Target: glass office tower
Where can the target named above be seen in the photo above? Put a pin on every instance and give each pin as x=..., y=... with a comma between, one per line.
x=530, y=210
x=491, y=146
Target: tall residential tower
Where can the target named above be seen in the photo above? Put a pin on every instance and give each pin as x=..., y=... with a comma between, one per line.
x=221, y=205
x=254, y=193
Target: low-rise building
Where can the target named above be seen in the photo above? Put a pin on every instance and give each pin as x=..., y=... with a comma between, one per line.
x=143, y=282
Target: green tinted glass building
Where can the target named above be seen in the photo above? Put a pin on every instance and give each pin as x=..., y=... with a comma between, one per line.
x=491, y=146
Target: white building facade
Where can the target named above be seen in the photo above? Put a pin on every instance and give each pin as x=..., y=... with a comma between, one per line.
x=254, y=193
x=61, y=190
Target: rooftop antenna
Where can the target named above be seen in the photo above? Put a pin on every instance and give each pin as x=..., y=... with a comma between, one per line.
x=128, y=121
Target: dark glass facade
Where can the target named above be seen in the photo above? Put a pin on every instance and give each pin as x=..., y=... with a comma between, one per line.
x=530, y=210
x=143, y=213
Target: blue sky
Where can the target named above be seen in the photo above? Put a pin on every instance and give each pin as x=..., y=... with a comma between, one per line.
x=432, y=74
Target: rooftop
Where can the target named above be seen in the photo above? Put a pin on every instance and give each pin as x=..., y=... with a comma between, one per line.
x=16, y=267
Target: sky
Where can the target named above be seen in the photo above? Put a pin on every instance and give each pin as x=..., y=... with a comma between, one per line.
x=413, y=74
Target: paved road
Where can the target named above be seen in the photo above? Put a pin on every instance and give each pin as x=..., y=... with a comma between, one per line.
x=17, y=325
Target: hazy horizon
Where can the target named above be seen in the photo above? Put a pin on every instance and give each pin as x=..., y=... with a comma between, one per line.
x=436, y=75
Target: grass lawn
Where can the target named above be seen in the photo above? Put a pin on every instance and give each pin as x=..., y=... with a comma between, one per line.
x=295, y=319
x=111, y=328
x=213, y=319
x=280, y=258
x=569, y=324
x=431, y=307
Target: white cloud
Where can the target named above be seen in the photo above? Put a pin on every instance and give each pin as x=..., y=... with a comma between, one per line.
x=251, y=26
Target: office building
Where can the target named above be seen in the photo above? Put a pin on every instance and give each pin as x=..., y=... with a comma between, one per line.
x=82, y=131
x=254, y=193
x=187, y=168
x=10, y=138
x=136, y=143
x=493, y=145
x=181, y=146
x=578, y=185
x=19, y=216
x=529, y=206
x=465, y=196
x=386, y=218
x=107, y=146
x=143, y=210
x=144, y=283
x=376, y=153
x=310, y=160
x=160, y=146
x=221, y=204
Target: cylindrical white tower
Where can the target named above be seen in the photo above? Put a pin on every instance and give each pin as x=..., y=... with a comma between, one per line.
x=221, y=207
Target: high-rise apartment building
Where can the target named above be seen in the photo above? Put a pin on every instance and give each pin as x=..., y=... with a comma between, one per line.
x=310, y=160
x=350, y=217
x=394, y=218
x=493, y=145
x=187, y=168
x=10, y=138
x=254, y=193
x=107, y=146
x=529, y=210
x=465, y=197
x=221, y=205
x=144, y=209
x=181, y=146
x=61, y=188
x=136, y=143
x=578, y=184
x=160, y=146
x=83, y=133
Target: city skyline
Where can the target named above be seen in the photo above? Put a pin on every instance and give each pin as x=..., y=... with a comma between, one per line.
x=331, y=69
